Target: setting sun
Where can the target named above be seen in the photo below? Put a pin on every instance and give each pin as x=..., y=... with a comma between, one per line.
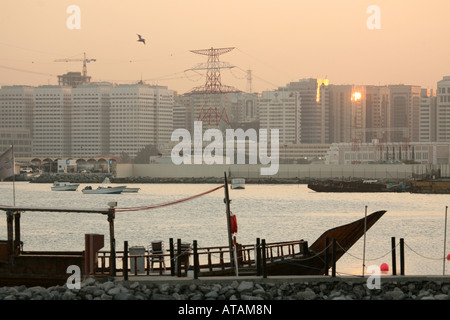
x=356, y=96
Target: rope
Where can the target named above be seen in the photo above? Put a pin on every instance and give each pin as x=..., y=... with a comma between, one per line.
x=168, y=203
x=422, y=255
x=373, y=259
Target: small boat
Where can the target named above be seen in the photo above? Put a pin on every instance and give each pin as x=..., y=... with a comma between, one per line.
x=103, y=190
x=126, y=190
x=64, y=186
x=237, y=183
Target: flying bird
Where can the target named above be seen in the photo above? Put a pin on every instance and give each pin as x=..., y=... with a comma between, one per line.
x=141, y=39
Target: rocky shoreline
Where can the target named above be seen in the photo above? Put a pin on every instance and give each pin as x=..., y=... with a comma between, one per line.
x=99, y=177
x=221, y=290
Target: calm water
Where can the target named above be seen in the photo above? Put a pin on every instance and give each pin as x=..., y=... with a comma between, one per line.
x=271, y=212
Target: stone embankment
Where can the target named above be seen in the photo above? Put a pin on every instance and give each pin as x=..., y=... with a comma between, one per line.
x=340, y=289
x=99, y=177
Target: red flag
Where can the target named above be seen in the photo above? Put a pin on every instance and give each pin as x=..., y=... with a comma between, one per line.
x=7, y=164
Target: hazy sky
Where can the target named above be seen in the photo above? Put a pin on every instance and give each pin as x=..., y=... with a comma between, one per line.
x=280, y=41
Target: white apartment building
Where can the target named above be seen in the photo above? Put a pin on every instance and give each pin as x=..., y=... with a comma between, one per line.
x=52, y=121
x=16, y=119
x=280, y=109
x=443, y=109
x=16, y=107
x=139, y=115
x=90, y=120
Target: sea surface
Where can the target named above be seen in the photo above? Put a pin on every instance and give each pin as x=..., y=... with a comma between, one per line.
x=270, y=212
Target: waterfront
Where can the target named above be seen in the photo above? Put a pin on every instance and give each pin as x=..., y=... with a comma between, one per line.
x=271, y=212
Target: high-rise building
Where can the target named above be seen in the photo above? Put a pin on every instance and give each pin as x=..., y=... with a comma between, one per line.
x=427, y=120
x=280, y=109
x=348, y=113
x=313, y=97
x=300, y=110
x=443, y=110
x=90, y=120
x=16, y=107
x=140, y=115
x=405, y=112
x=377, y=113
x=52, y=121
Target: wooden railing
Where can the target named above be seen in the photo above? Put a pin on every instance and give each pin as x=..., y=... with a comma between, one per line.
x=209, y=258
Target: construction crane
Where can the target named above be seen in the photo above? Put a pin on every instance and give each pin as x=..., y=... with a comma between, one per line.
x=85, y=61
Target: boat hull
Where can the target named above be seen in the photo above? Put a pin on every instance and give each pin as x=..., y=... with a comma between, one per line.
x=65, y=186
x=431, y=186
x=354, y=186
x=313, y=263
x=113, y=190
x=131, y=190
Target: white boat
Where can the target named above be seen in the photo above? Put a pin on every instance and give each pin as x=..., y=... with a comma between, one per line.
x=238, y=183
x=127, y=190
x=103, y=190
x=64, y=186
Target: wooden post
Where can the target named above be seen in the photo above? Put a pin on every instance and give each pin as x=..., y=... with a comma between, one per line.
x=402, y=257
x=178, y=258
x=112, y=241
x=227, y=203
x=327, y=263
x=333, y=258
x=17, y=233
x=172, y=257
x=258, y=257
x=10, y=231
x=264, y=269
x=394, y=262
x=125, y=260
x=195, y=260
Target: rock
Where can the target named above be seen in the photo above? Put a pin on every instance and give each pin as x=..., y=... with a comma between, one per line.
x=134, y=285
x=442, y=296
x=248, y=297
x=159, y=296
x=245, y=286
x=114, y=291
x=396, y=294
x=307, y=294
x=211, y=295
x=106, y=297
x=88, y=282
x=107, y=285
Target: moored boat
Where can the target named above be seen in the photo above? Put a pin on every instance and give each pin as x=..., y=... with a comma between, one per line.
x=356, y=186
x=103, y=190
x=126, y=190
x=436, y=186
x=64, y=186
x=304, y=260
x=238, y=183
x=47, y=268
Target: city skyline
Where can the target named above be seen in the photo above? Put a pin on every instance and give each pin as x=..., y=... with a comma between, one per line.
x=280, y=42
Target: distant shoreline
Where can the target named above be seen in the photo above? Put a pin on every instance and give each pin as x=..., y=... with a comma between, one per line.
x=99, y=177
